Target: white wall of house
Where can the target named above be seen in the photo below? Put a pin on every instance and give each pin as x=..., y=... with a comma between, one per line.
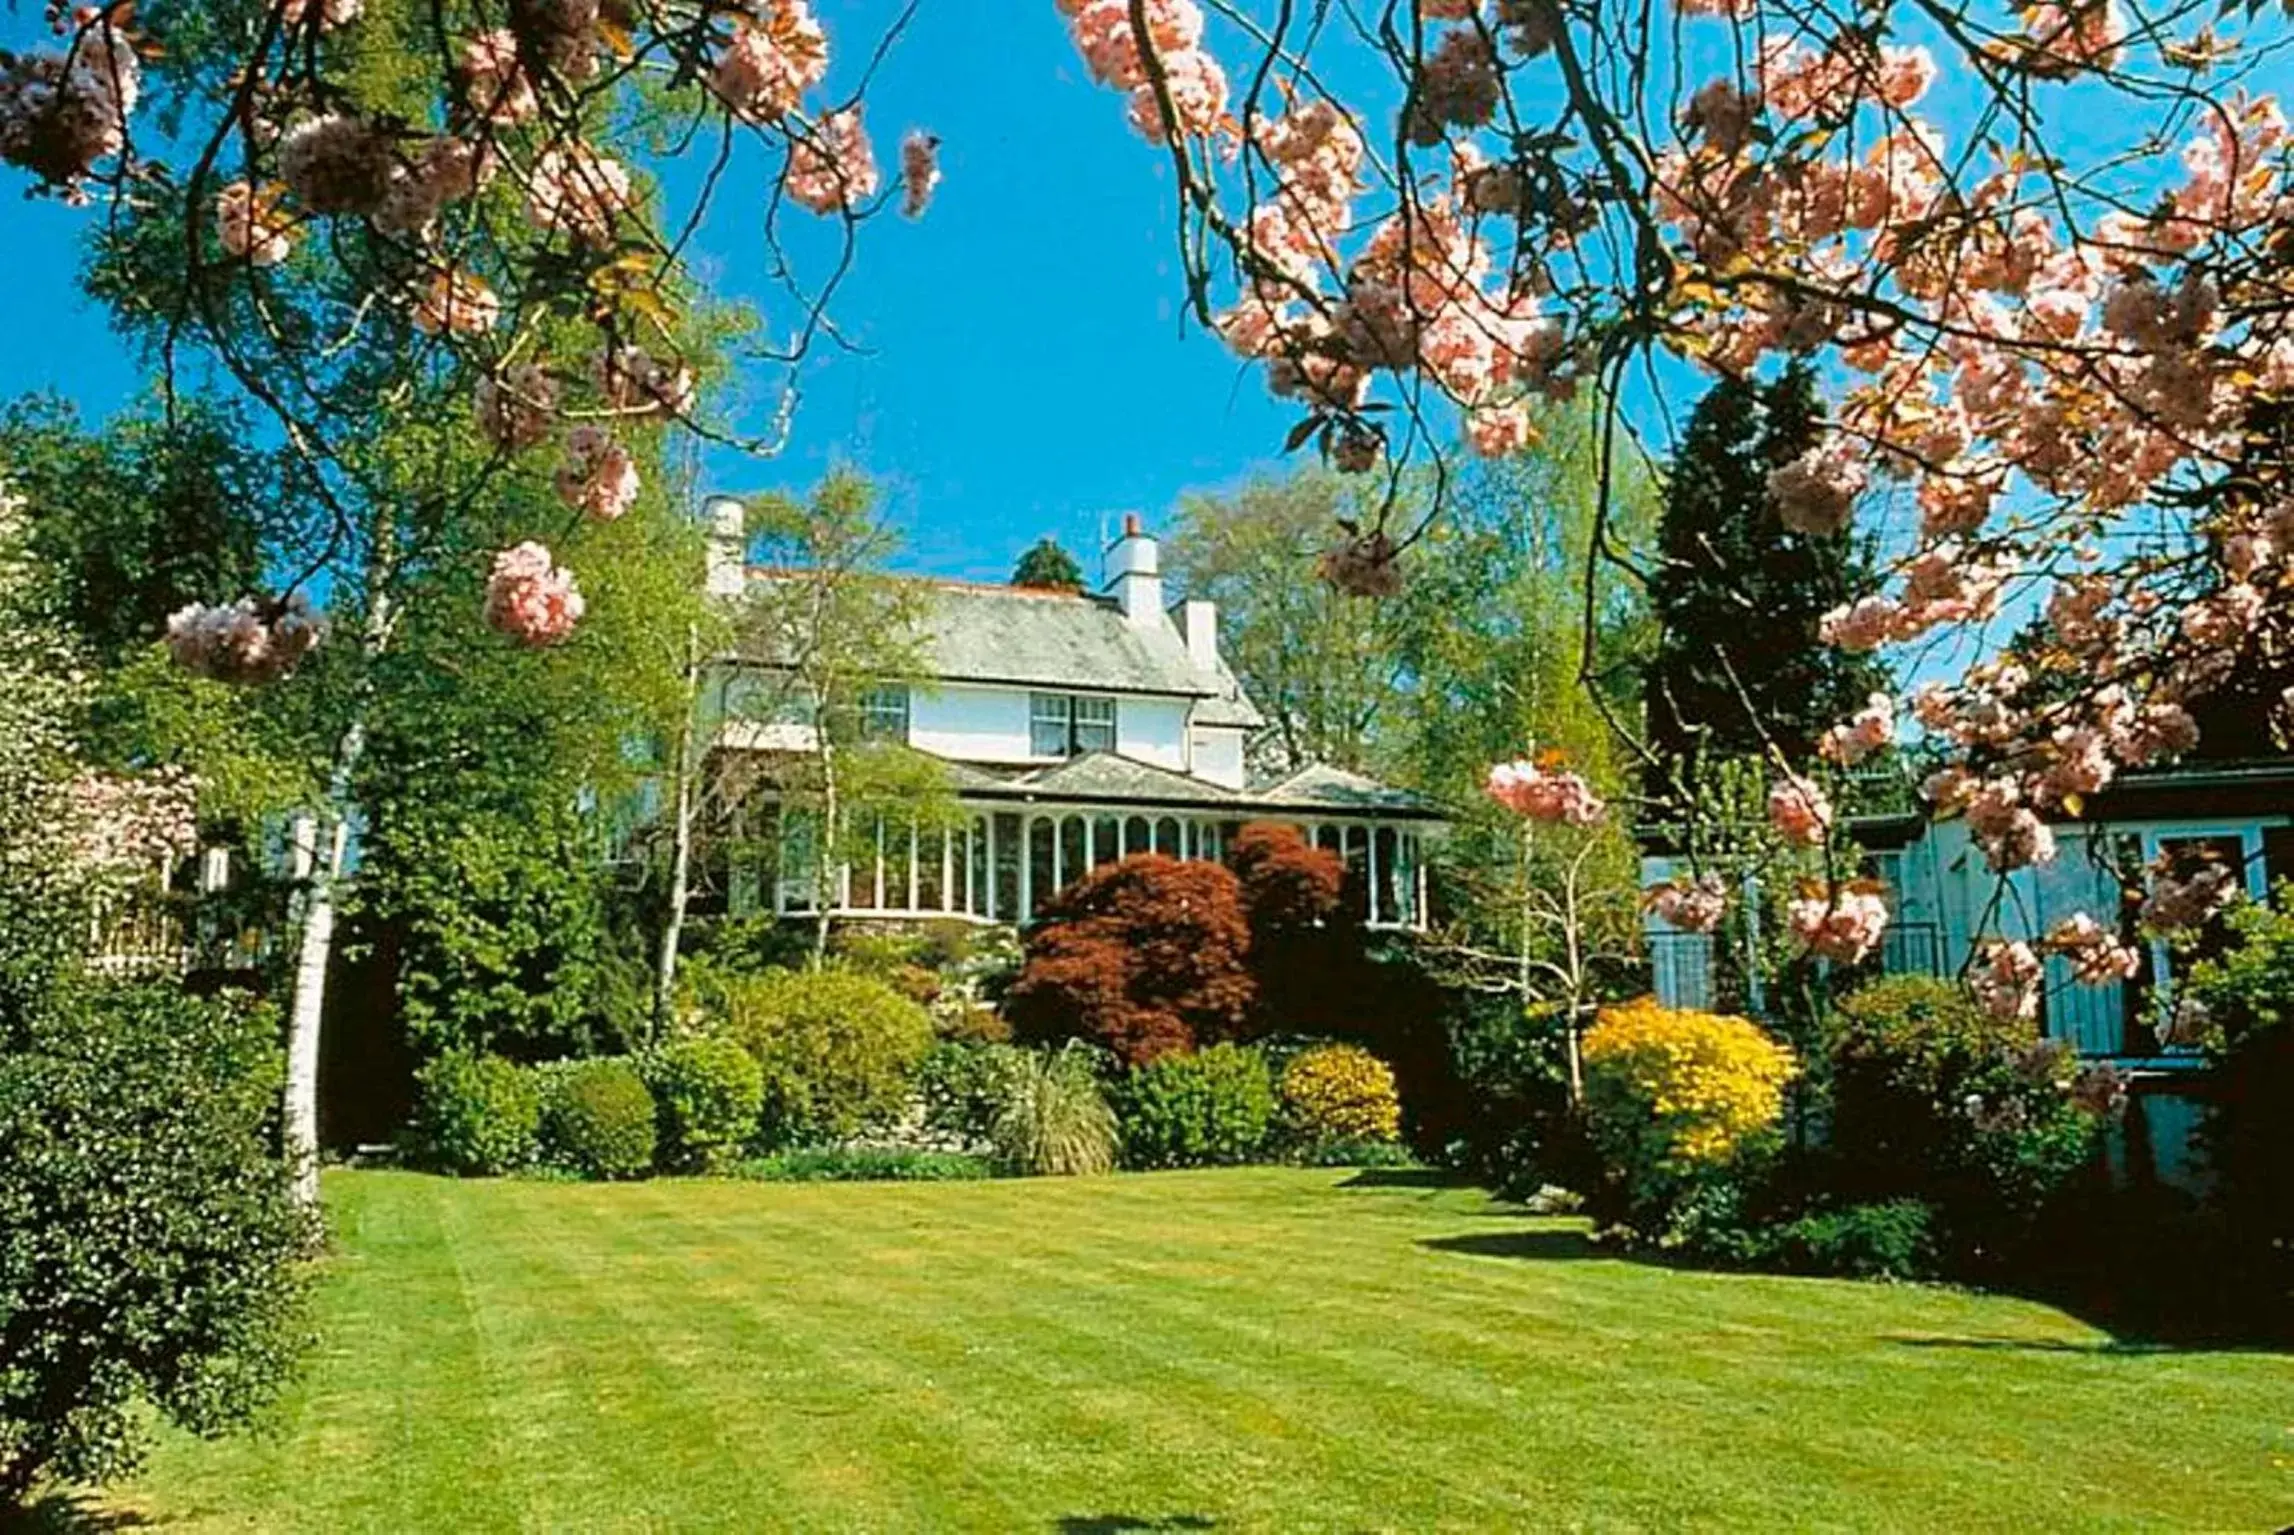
x=1153, y=730
x=1218, y=754
x=972, y=724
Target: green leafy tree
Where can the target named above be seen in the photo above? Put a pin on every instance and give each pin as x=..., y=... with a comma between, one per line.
x=1326, y=669
x=1738, y=668
x=1049, y=566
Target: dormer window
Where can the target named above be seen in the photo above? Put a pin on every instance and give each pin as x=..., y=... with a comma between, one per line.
x=884, y=714
x=1070, y=724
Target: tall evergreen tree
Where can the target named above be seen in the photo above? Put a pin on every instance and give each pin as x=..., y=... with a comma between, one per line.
x=1737, y=596
x=1048, y=565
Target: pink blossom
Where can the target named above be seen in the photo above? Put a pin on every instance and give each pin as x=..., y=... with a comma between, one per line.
x=2098, y=956
x=1692, y=908
x=2006, y=981
x=1869, y=730
x=1865, y=624
x=456, y=303
x=2080, y=34
x=448, y=170
x=576, y=190
x=61, y=113
x=529, y=598
x=2177, y=904
x=1544, y=794
x=1110, y=47
x=919, y=171
x=1799, y=810
x=777, y=52
x=2009, y=831
x=1905, y=74
x=1362, y=565
x=250, y=225
x=1816, y=493
x=598, y=477
x=514, y=411
x=1457, y=86
x=1498, y=431
x=636, y=383
x=832, y=169
x=2158, y=729
x=494, y=82
x=132, y=822
x=1198, y=92
x=2224, y=620
x=249, y=641
x=330, y=13
x=1843, y=926
x=337, y=164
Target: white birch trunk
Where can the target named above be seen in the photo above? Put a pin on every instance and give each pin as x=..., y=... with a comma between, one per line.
x=314, y=951
x=680, y=845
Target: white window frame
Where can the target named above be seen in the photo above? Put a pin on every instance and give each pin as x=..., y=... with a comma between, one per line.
x=884, y=713
x=1070, y=716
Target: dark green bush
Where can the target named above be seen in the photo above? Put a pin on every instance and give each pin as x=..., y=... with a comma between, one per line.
x=475, y=1114
x=837, y=1050
x=149, y=1242
x=862, y=1164
x=1212, y=1107
x=1934, y=1100
x=597, y=1118
x=966, y=1088
x=706, y=1095
x=1892, y=1240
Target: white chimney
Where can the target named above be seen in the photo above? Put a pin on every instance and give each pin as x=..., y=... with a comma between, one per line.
x=1199, y=627
x=1134, y=574
x=728, y=524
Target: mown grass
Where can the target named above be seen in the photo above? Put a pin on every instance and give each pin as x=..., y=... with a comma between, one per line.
x=1275, y=1349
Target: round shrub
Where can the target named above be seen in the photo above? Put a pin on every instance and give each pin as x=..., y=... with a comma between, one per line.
x=1672, y=1099
x=597, y=1118
x=1340, y=1095
x=1934, y=1099
x=966, y=1087
x=1199, y=1110
x=475, y=1115
x=837, y=1050
x=706, y=1094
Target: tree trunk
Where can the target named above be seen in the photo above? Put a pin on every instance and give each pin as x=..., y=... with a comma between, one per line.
x=825, y=860
x=681, y=844
x=314, y=951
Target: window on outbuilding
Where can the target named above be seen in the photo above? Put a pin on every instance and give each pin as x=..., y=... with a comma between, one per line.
x=1070, y=724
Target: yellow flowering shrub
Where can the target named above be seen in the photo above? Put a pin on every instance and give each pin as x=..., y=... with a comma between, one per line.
x=1679, y=1088
x=1341, y=1093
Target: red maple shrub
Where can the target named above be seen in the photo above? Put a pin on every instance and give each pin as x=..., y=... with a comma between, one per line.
x=1148, y=957
x=1288, y=883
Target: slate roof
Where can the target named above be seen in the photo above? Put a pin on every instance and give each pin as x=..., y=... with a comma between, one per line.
x=1097, y=777
x=1033, y=638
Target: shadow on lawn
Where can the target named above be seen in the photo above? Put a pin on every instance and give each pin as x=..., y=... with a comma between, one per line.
x=1131, y=1524
x=1568, y=1245
x=2105, y=1347
x=69, y=1514
x=1407, y=1178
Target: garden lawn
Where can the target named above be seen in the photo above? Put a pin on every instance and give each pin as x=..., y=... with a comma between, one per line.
x=1245, y=1350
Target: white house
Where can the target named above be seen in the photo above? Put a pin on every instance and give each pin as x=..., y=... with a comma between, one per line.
x=1074, y=729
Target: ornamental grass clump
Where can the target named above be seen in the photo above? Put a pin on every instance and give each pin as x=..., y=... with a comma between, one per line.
x=1340, y=1095
x=1055, y=1121
x=1677, y=1102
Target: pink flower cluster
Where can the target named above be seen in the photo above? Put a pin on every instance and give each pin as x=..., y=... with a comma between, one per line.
x=1843, y=925
x=2097, y=955
x=456, y=302
x=1816, y=493
x=249, y=641
x=2005, y=980
x=777, y=52
x=2180, y=902
x=1362, y=565
x=250, y=225
x=1542, y=793
x=1691, y=907
x=599, y=477
x=515, y=410
x=1871, y=729
x=634, y=382
x=60, y=113
x=529, y=598
x=1800, y=811
x=919, y=171
x=578, y=191
x=832, y=169
x=1113, y=52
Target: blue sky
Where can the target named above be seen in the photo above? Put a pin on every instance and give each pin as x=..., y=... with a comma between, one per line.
x=1027, y=373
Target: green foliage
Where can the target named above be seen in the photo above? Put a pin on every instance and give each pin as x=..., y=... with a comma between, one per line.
x=837, y=1050
x=1049, y=566
x=1056, y=1122
x=149, y=1245
x=1891, y=1240
x=864, y=1164
x=597, y=1119
x=966, y=1088
x=2246, y=993
x=708, y=1092
x=1206, y=1109
x=1932, y=1099
x=1737, y=596
x=476, y=1115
